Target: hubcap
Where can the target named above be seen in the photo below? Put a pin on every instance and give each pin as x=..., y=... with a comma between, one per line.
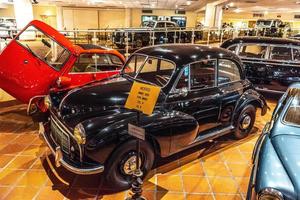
x=130, y=165
x=246, y=122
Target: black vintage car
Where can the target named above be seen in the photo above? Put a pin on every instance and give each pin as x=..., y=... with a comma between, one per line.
x=271, y=64
x=159, y=31
x=204, y=94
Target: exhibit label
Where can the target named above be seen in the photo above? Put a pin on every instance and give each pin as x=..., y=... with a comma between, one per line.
x=142, y=97
x=136, y=131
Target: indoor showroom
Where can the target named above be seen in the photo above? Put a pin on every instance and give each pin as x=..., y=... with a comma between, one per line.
x=150, y=99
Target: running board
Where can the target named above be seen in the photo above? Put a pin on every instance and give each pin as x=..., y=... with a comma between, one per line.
x=213, y=135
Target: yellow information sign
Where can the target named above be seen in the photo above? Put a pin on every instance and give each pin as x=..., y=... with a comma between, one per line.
x=142, y=97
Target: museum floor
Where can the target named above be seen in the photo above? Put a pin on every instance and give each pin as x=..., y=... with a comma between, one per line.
x=217, y=170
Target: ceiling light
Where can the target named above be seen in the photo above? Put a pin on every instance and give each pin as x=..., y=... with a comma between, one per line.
x=297, y=2
x=266, y=12
x=188, y=3
x=237, y=10
x=231, y=4
x=176, y=6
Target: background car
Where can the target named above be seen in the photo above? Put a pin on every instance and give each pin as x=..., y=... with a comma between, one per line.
x=8, y=27
x=164, y=32
x=276, y=156
x=271, y=64
x=204, y=95
x=40, y=58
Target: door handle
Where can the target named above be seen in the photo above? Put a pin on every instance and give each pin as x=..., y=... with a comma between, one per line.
x=25, y=62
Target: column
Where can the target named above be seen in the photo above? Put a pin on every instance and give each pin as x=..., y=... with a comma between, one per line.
x=127, y=18
x=59, y=18
x=23, y=12
x=213, y=15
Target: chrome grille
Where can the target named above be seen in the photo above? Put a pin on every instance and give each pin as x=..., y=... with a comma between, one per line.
x=60, y=137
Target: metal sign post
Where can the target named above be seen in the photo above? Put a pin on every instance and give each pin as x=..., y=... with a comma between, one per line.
x=142, y=98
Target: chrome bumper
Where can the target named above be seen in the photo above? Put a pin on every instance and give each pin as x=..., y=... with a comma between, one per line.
x=59, y=160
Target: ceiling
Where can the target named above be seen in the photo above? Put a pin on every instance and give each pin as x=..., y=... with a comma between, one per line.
x=258, y=6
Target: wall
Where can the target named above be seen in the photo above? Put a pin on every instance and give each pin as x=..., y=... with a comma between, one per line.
x=46, y=14
x=7, y=11
x=236, y=18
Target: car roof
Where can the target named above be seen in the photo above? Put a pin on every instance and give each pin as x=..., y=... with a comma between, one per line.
x=183, y=54
x=268, y=40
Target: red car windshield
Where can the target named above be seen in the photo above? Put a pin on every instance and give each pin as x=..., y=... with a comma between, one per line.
x=43, y=47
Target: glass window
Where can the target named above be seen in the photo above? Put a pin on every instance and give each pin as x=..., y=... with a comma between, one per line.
x=296, y=53
x=203, y=74
x=44, y=47
x=292, y=116
x=281, y=53
x=232, y=48
x=228, y=71
x=153, y=70
x=170, y=25
x=183, y=82
x=160, y=25
x=94, y=63
x=134, y=64
x=115, y=60
x=253, y=51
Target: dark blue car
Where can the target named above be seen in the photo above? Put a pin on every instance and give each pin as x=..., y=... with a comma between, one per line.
x=276, y=156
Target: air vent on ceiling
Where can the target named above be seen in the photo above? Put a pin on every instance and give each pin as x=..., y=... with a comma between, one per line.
x=180, y=12
x=258, y=15
x=297, y=16
x=147, y=11
x=250, y=1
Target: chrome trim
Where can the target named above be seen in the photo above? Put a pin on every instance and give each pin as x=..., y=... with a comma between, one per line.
x=64, y=98
x=63, y=128
x=268, y=90
x=270, y=191
x=88, y=171
x=270, y=63
x=30, y=102
x=63, y=132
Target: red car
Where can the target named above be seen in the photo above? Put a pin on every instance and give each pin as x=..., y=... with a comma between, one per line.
x=40, y=58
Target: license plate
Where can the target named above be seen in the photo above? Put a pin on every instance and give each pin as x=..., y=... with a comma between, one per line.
x=61, y=138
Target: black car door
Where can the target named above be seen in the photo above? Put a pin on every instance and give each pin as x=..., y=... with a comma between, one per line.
x=231, y=86
x=196, y=94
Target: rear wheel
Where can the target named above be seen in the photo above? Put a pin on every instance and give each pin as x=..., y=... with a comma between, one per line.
x=245, y=122
x=122, y=164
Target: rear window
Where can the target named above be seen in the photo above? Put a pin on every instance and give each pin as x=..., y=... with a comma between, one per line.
x=43, y=47
x=292, y=115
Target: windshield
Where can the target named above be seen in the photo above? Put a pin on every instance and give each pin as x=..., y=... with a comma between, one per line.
x=264, y=23
x=152, y=70
x=43, y=47
x=292, y=115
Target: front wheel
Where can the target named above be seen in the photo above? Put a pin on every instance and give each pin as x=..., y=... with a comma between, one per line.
x=122, y=163
x=245, y=122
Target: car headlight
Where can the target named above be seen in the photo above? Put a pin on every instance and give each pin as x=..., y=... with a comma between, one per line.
x=79, y=134
x=270, y=194
x=47, y=101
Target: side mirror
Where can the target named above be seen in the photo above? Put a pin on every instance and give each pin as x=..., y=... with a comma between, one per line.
x=63, y=82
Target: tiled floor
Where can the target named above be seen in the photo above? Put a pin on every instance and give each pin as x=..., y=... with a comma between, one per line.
x=218, y=170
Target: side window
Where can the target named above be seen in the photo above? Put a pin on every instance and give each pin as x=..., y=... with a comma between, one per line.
x=232, y=48
x=281, y=53
x=170, y=25
x=253, y=51
x=44, y=47
x=296, y=54
x=228, y=71
x=160, y=25
x=183, y=82
x=203, y=74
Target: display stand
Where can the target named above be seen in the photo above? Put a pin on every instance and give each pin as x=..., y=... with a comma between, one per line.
x=137, y=181
x=142, y=98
